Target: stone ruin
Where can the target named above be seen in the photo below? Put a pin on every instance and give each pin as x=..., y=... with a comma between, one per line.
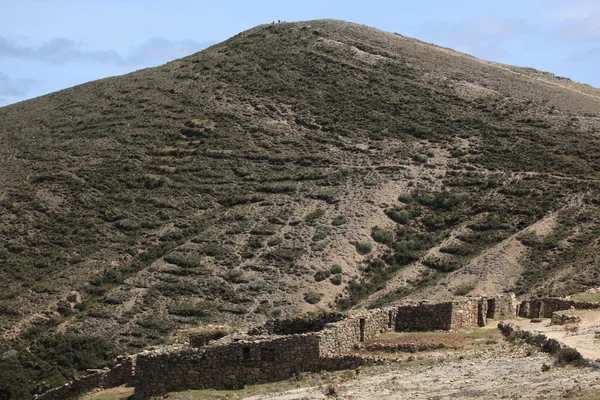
x=545, y=307
x=282, y=348
x=564, y=318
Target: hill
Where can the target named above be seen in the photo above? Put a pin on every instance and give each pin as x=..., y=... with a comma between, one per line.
x=293, y=167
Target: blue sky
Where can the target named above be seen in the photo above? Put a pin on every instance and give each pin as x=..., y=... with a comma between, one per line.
x=48, y=45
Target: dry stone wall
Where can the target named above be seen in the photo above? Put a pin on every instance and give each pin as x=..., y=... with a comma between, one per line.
x=316, y=344
x=341, y=336
x=504, y=305
x=543, y=342
x=563, y=318
x=291, y=326
x=230, y=365
x=424, y=316
x=121, y=374
x=543, y=308
x=467, y=313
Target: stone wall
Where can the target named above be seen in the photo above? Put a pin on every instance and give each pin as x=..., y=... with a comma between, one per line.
x=544, y=343
x=563, y=318
x=230, y=365
x=424, y=316
x=468, y=312
x=359, y=327
x=298, y=325
x=543, y=308
x=120, y=374
x=505, y=306
x=310, y=344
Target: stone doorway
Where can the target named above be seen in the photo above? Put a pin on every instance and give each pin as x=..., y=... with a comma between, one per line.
x=362, y=329
x=491, y=309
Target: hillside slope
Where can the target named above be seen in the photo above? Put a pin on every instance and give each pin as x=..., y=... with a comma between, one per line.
x=293, y=167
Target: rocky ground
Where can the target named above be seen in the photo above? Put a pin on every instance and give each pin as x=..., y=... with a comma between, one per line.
x=499, y=371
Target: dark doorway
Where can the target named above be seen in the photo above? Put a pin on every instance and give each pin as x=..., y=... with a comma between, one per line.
x=362, y=329
x=536, y=307
x=390, y=319
x=245, y=353
x=491, y=309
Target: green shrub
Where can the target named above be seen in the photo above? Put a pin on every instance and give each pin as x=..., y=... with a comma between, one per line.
x=255, y=242
x=339, y=220
x=442, y=264
x=179, y=288
x=335, y=269
x=405, y=198
x=463, y=290
x=420, y=158
x=258, y=285
x=444, y=200
x=235, y=274
x=312, y=297
x=336, y=279
x=364, y=248
x=321, y=275
x=200, y=309
x=184, y=259
x=72, y=298
x=156, y=324
x=321, y=234
x=383, y=236
x=400, y=217
x=315, y=215
x=568, y=355
x=274, y=241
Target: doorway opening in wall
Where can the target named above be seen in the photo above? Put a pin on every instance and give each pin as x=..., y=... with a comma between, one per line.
x=362, y=329
x=390, y=319
x=246, y=353
x=491, y=309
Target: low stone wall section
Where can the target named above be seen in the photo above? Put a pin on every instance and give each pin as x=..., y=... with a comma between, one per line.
x=564, y=317
x=543, y=308
x=293, y=326
x=359, y=327
x=120, y=374
x=425, y=316
x=226, y=366
x=544, y=343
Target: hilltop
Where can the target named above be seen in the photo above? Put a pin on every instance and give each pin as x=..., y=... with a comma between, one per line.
x=291, y=168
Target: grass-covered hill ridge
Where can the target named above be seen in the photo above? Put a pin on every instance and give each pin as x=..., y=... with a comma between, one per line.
x=293, y=167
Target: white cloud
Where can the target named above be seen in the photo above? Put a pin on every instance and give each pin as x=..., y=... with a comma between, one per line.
x=574, y=10
x=158, y=49
x=61, y=51
x=587, y=28
x=15, y=87
x=488, y=27
x=586, y=56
